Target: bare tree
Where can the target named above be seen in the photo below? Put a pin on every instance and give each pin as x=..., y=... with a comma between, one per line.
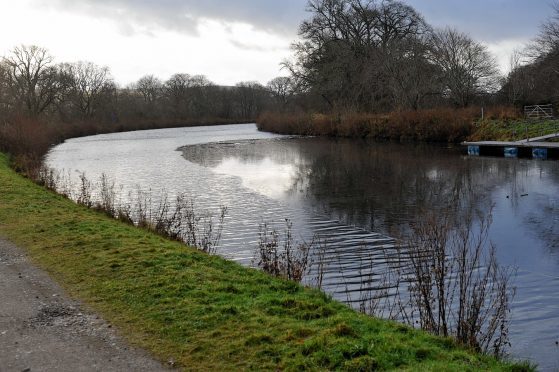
x=397, y=21
x=468, y=69
x=176, y=91
x=514, y=85
x=89, y=87
x=177, y=86
x=361, y=22
x=412, y=76
x=281, y=88
x=344, y=46
x=33, y=80
x=548, y=44
x=534, y=75
x=200, y=104
x=249, y=99
x=150, y=88
x=5, y=101
x=548, y=38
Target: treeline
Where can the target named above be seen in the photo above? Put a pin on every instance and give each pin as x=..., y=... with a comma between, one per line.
x=534, y=76
x=354, y=59
x=31, y=84
x=382, y=56
x=378, y=69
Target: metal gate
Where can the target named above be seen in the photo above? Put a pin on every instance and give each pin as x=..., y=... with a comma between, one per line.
x=539, y=112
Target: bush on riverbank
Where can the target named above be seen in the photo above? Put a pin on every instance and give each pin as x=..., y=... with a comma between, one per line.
x=201, y=310
x=436, y=125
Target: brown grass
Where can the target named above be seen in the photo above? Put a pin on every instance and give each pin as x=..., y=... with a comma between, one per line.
x=27, y=140
x=435, y=125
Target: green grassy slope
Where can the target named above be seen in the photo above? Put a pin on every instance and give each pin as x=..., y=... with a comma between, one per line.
x=204, y=312
x=512, y=130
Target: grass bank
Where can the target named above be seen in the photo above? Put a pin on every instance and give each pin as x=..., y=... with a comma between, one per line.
x=202, y=311
x=512, y=130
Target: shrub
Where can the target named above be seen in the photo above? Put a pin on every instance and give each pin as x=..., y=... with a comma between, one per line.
x=435, y=125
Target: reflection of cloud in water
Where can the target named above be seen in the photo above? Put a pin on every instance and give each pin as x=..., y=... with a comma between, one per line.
x=263, y=176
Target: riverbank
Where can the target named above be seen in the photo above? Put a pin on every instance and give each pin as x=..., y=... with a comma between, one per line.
x=202, y=311
x=512, y=130
x=437, y=125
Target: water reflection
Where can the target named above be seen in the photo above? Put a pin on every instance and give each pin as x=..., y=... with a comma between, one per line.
x=379, y=187
x=263, y=176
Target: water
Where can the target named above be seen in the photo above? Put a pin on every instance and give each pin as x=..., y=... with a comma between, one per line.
x=357, y=194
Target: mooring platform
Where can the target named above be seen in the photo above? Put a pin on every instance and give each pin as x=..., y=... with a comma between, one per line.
x=524, y=148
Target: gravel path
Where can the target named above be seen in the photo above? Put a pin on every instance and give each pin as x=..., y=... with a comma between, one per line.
x=42, y=329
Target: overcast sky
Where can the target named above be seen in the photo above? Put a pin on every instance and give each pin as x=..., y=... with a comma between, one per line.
x=226, y=40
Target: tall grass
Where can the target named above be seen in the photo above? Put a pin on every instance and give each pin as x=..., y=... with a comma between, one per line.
x=281, y=256
x=174, y=218
x=445, y=279
x=435, y=125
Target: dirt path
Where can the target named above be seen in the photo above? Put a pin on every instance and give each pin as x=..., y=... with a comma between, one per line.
x=41, y=329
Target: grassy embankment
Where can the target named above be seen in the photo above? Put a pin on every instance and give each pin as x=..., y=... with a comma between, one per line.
x=512, y=130
x=437, y=125
x=202, y=311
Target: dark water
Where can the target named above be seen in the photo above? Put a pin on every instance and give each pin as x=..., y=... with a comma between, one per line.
x=357, y=194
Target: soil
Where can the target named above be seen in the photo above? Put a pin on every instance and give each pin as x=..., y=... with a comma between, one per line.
x=43, y=329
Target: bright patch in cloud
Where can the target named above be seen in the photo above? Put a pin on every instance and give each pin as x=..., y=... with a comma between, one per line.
x=225, y=52
x=503, y=51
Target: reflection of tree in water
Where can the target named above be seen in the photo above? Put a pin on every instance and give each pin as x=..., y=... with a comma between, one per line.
x=382, y=187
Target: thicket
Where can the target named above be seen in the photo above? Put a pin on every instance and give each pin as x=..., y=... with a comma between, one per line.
x=434, y=125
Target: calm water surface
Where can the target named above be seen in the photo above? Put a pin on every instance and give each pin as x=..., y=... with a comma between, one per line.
x=354, y=193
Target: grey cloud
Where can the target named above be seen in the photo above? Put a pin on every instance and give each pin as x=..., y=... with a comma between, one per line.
x=485, y=20
x=252, y=47
x=281, y=17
